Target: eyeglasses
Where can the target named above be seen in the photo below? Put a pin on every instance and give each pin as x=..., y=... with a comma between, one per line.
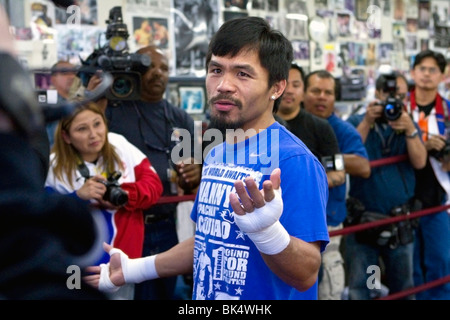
x=431, y=70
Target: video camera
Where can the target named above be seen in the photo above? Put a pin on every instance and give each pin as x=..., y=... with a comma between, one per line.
x=126, y=68
x=392, y=107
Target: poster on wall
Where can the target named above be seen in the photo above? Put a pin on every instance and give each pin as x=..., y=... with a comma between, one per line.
x=296, y=22
x=442, y=37
x=343, y=20
x=194, y=24
x=78, y=42
x=424, y=15
x=301, y=49
x=192, y=99
x=150, y=31
x=42, y=20
x=440, y=13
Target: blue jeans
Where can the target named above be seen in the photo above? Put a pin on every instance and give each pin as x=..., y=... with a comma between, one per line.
x=159, y=236
x=398, y=264
x=432, y=255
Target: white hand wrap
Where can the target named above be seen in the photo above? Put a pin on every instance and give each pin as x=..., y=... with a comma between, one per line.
x=134, y=271
x=263, y=227
x=140, y=269
x=105, y=283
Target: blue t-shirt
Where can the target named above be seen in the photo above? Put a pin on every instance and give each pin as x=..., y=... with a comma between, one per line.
x=350, y=142
x=388, y=185
x=227, y=265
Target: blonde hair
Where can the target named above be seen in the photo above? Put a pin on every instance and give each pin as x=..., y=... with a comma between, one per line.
x=67, y=158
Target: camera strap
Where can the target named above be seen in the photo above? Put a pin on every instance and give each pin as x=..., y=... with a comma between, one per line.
x=385, y=145
x=83, y=170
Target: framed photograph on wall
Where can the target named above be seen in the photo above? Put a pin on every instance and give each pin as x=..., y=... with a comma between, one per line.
x=192, y=99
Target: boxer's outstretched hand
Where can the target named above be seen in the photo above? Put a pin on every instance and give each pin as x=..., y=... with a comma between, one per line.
x=257, y=213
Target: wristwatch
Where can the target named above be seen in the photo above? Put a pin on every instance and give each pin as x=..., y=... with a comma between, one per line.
x=339, y=162
x=412, y=135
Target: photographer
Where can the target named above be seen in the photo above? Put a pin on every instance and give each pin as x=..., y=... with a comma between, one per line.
x=83, y=159
x=431, y=111
x=388, y=191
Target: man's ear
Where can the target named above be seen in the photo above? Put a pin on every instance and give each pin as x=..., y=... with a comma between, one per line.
x=278, y=88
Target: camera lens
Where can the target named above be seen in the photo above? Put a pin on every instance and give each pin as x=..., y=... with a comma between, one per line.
x=122, y=86
x=392, y=110
x=116, y=195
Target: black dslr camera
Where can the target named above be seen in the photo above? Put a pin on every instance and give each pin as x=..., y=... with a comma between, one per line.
x=392, y=107
x=114, y=193
x=126, y=68
x=444, y=153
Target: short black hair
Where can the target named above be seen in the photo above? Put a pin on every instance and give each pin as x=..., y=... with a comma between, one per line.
x=300, y=69
x=323, y=74
x=254, y=33
x=437, y=56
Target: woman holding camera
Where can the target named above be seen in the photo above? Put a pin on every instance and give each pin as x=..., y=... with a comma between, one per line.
x=106, y=170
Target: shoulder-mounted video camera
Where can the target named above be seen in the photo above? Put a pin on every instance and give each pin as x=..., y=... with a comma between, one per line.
x=392, y=107
x=126, y=68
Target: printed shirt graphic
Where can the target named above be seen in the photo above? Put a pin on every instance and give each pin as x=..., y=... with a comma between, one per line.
x=227, y=265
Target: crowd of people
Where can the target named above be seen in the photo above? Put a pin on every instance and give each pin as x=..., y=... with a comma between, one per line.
x=277, y=140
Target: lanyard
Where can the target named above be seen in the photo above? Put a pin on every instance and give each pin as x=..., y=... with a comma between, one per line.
x=385, y=145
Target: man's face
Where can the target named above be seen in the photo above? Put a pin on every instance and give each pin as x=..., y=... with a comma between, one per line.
x=237, y=91
x=154, y=80
x=319, y=97
x=427, y=74
x=293, y=94
x=62, y=81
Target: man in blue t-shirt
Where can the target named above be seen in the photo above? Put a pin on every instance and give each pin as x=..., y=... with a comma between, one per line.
x=260, y=210
x=319, y=99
